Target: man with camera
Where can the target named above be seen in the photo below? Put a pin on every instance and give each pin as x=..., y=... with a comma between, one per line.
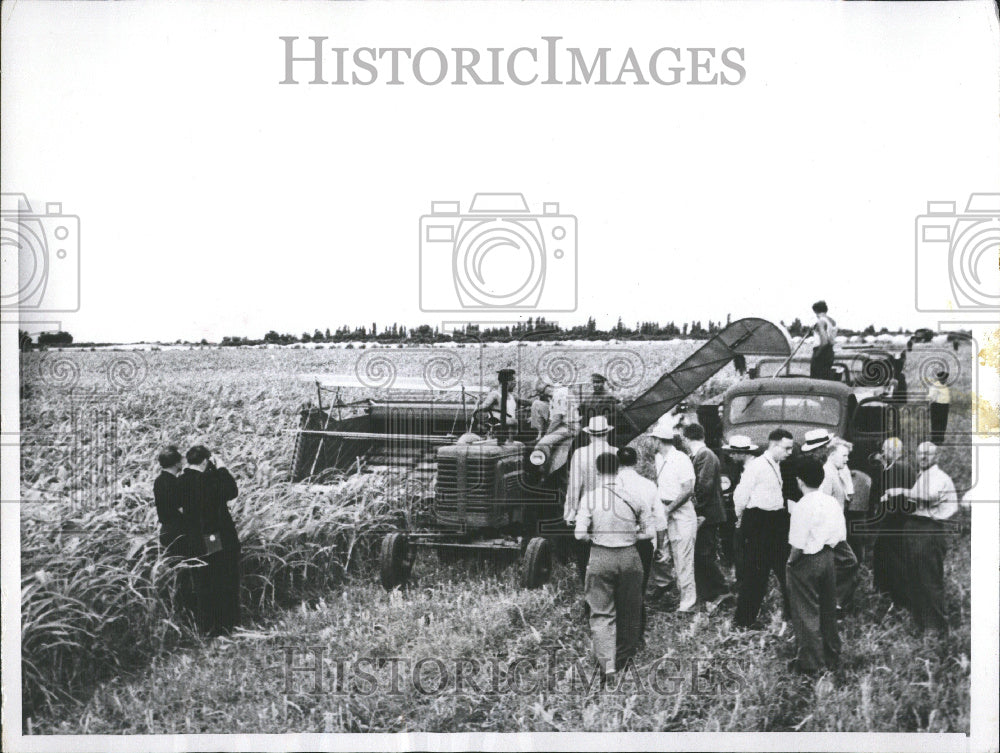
x=205, y=489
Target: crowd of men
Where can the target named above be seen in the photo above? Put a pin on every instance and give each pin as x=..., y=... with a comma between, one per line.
x=640, y=536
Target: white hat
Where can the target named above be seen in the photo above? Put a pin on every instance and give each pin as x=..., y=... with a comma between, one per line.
x=739, y=443
x=816, y=438
x=666, y=427
x=598, y=425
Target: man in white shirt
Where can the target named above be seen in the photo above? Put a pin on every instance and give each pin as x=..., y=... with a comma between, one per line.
x=642, y=489
x=925, y=535
x=583, y=478
x=611, y=519
x=675, y=479
x=816, y=527
x=762, y=517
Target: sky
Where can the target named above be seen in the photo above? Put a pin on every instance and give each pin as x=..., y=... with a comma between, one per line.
x=214, y=201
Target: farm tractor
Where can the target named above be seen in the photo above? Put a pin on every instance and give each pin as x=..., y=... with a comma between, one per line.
x=501, y=492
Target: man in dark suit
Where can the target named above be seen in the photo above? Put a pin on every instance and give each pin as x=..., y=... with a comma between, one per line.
x=205, y=490
x=166, y=495
x=174, y=541
x=708, y=577
x=889, y=513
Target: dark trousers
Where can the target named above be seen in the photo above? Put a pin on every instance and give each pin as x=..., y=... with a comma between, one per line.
x=939, y=422
x=845, y=565
x=857, y=536
x=812, y=593
x=821, y=362
x=739, y=557
x=889, y=558
x=217, y=586
x=708, y=577
x=581, y=556
x=926, y=544
x=646, y=550
x=614, y=583
x=765, y=549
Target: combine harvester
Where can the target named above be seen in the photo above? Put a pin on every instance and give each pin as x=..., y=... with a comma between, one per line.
x=503, y=492
x=488, y=494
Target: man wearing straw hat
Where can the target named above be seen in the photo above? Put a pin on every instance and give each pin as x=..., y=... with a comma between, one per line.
x=675, y=479
x=583, y=478
x=821, y=445
x=739, y=449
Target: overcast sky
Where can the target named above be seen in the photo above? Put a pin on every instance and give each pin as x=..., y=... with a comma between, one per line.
x=214, y=201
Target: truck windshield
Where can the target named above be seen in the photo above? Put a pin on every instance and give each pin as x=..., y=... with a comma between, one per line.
x=804, y=409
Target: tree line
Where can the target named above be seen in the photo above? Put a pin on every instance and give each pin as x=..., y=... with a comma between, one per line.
x=533, y=328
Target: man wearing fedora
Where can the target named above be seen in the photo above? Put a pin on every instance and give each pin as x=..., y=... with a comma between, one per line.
x=759, y=501
x=583, y=477
x=831, y=452
x=739, y=450
x=675, y=480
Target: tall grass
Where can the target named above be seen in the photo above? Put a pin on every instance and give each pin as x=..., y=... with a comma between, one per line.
x=96, y=593
x=96, y=596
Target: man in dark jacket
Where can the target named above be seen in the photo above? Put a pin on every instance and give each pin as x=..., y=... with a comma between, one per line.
x=205, y=490
x=174, y=541
x=890, y=509
x=708, y=577
x=166, y=495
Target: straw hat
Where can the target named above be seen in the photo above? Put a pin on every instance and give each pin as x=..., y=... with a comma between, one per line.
x=739, y=443
x=816, y=438
x=598, y=425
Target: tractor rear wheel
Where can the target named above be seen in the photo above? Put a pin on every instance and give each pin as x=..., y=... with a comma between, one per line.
x=395, y=561
x=536, y=567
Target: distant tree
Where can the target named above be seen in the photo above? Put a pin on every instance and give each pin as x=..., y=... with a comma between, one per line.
x=55, y=338
x=23, y=340
x=318, y=336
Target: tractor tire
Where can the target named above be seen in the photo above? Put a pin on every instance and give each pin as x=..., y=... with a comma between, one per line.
x=395, y=561
x=536, y=566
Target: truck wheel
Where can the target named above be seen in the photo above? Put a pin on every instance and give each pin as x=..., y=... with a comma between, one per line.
x=395, y=561
x=536, y=567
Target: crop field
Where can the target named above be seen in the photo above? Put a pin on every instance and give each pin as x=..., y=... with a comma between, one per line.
x=103, y=653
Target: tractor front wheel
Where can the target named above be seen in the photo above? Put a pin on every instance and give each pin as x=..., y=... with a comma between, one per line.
x=395, y=561
x=536, y=567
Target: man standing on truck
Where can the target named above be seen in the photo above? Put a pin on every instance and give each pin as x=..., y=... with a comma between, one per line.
x=821, y=365
x=762, y=516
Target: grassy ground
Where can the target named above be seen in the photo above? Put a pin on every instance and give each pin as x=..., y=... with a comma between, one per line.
x=891, y=680
x=244, y=402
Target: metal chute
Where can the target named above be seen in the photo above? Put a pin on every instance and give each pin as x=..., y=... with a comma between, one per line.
x=744, y=337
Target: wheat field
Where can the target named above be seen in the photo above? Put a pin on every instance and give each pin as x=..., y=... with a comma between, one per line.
x=98, y=629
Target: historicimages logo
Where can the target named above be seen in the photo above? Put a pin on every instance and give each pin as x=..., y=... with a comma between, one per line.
x=497, y=256
x=40, y=257
x=956, y=255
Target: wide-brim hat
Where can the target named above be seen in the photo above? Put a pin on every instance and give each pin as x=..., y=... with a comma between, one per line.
x=739, y=443
x=666, y=427
x=598, y=425
x=816, y=438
